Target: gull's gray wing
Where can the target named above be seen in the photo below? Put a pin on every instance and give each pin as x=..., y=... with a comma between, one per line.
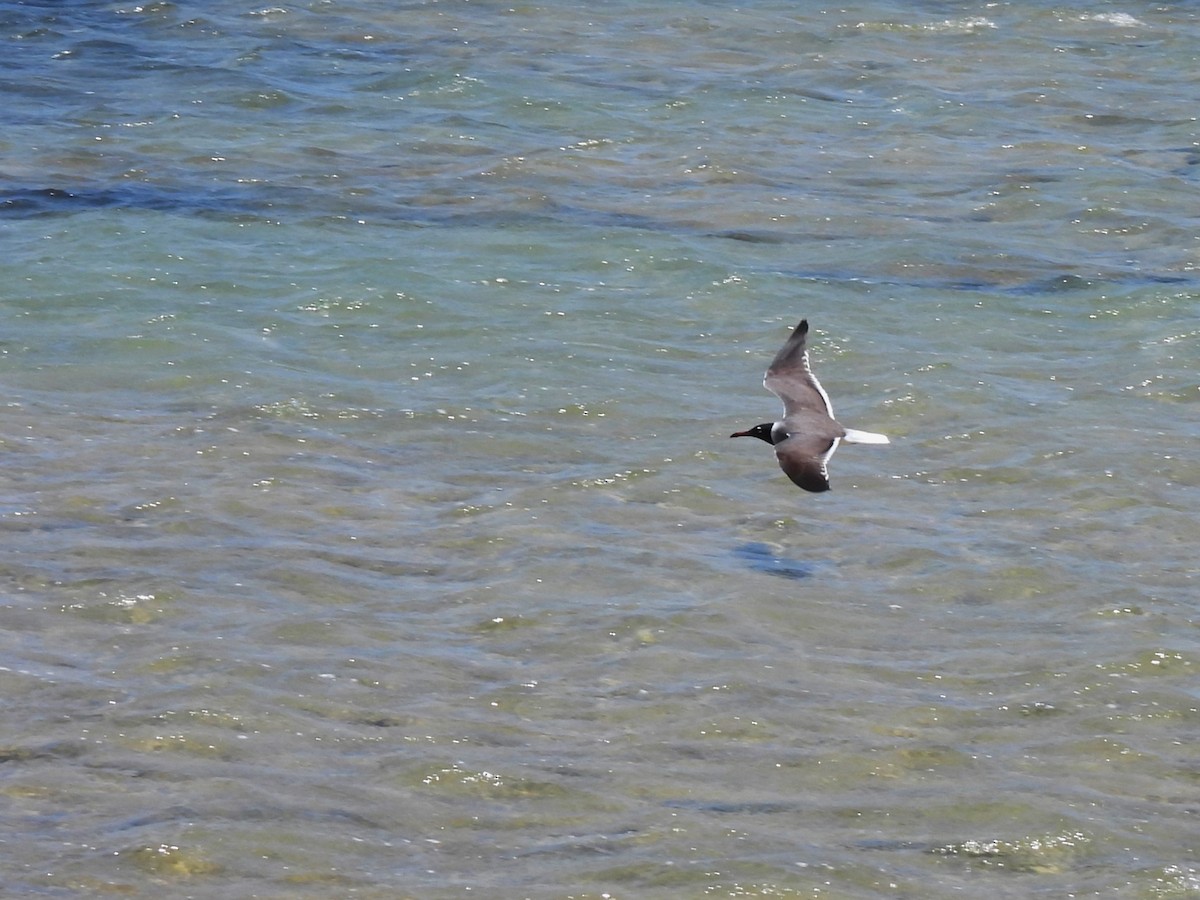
x=790, y=378
x=803, y=458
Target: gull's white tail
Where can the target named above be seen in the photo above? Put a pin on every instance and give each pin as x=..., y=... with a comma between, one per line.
x=864, y=437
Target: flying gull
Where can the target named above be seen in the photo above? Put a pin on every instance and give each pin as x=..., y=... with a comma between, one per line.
x=807, y=434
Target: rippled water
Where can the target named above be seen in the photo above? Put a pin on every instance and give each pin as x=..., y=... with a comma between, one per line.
x=370, y=522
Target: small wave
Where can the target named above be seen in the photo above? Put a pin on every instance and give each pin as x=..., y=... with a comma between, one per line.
x=1119, y=19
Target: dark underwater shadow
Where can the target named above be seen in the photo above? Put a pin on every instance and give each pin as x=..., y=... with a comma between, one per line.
x=762, y=558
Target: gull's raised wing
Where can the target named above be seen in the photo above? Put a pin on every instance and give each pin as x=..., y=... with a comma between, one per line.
x=790, y=378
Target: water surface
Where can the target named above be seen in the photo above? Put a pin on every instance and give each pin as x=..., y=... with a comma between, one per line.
x=371, y=526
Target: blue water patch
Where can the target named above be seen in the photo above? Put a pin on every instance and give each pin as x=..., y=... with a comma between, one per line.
x=28, y=202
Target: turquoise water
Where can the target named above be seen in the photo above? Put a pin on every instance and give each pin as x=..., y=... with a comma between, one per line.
x=371, y=524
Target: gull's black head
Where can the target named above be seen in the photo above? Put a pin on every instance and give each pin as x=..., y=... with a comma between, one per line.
x=762, y=432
